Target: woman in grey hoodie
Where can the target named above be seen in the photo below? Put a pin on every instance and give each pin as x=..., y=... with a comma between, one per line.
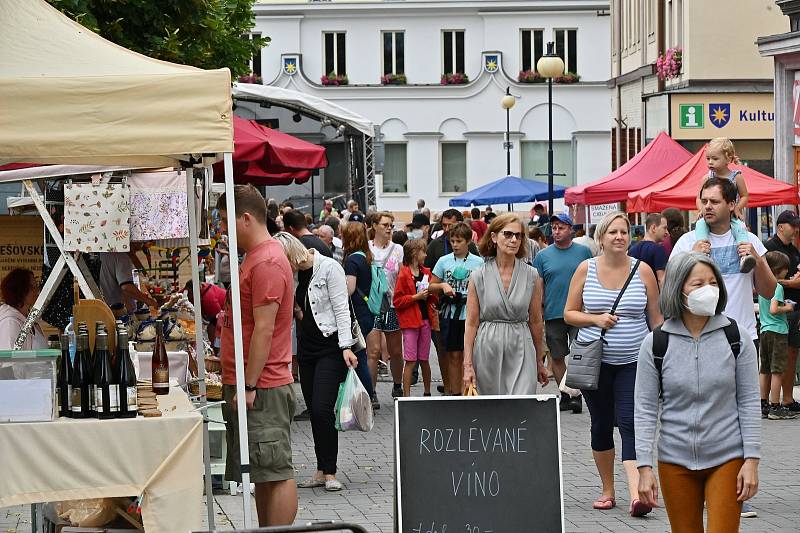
x=710, y=435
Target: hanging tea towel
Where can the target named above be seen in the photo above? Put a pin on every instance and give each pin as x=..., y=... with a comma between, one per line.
x=96, y=217
x=158, y=206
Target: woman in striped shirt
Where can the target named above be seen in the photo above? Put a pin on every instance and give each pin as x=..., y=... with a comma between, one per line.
x=592, y=292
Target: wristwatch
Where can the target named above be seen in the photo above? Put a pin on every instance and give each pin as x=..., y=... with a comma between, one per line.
x=250, y=388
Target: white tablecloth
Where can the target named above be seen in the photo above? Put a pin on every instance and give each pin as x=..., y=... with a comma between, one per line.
x=68, y=459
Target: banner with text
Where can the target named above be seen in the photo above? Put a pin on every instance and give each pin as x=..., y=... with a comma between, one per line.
x=21, y=243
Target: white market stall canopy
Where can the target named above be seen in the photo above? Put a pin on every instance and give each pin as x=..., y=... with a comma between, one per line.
x=68, y=96
x=308, y=104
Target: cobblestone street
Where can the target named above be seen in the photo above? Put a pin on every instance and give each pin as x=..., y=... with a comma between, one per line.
x=366, y=462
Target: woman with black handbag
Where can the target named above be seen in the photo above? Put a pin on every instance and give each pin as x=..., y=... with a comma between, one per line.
x=612, y=298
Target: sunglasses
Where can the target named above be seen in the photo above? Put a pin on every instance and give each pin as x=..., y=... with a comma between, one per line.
x=512, y=234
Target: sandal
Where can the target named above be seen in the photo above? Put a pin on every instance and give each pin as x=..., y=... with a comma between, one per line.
x=604, y=503
x=333, y=485
x=639, y=509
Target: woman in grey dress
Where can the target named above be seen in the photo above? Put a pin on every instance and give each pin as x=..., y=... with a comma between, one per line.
x=503, y=331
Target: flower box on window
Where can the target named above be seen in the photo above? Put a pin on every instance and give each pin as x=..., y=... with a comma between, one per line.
x=457, y=78
x=568, y=77
x=250, y=78
x=334, y=79
x=393, y=79
x=668, y=64
x=530, y=76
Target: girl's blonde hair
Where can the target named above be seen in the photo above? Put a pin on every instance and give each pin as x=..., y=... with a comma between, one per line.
x=724, y=145
x=295, y=251
x=605, y=222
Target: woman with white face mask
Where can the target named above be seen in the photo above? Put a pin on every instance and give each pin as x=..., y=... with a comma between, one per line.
x=709, y=439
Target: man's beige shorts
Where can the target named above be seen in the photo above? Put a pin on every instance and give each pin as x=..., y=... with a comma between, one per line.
x=268, y=432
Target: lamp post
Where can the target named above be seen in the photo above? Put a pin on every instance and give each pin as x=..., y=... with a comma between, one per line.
x=507, y=103
x=550, y=66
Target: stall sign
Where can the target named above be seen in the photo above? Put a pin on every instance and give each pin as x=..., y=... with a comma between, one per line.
x=21, y=244
x=597, y=212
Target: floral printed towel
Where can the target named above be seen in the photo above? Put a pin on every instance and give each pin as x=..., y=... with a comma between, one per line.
x=158, y=206
x=96, y=217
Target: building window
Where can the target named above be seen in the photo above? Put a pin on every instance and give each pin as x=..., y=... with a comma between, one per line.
x=453, y=51
x=395, y=165
x=255, y=61
x=394, y=52
x=532, y=48
x=567, y=48
x=335, y=174
x=334, y=53
x=454, y=167
x=534, y=161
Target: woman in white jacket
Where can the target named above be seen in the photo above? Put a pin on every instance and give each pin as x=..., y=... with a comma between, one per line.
x=323, y=351
x=19, y=292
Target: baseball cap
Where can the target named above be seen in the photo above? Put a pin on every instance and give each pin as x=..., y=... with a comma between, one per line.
x=356, y=217
x=789, y=217
x=420, y=220
x=561, y=217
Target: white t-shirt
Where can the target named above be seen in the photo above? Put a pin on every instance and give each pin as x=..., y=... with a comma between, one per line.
x=391, y=259
x=739, y=286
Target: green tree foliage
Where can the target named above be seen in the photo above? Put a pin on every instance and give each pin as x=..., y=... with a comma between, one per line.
x=202, y=33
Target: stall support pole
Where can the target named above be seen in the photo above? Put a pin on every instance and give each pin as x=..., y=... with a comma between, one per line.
x=200, y=352
x=238, y=344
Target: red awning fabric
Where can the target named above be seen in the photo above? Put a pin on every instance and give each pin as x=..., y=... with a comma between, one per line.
x=680, y=188
x=263, y=156
x=661, y=156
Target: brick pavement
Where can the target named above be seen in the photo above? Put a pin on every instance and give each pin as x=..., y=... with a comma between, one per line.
x=365, y=467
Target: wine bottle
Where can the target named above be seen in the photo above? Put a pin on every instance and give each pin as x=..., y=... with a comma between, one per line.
x=160, y=363
x=106, y=397
x=126, y=379
x=65, y=379
x=81, y=383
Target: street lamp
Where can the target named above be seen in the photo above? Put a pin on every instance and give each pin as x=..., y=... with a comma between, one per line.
x=507, y=103
x=550, y=66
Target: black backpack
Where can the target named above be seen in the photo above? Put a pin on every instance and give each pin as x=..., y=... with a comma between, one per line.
x=661, y=342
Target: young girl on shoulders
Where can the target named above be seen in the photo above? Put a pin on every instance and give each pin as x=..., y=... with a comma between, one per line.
x=719, y=154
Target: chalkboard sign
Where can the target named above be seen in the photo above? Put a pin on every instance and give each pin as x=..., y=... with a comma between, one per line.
x=488, y=464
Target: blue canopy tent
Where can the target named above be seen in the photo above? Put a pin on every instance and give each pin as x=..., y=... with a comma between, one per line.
x=508, y=190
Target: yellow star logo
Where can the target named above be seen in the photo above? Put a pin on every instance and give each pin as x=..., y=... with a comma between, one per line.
x=491, y=65
x=719, y=115
x=291, y=67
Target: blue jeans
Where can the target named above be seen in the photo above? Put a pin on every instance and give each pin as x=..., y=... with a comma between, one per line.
x=738, y=230
x=362, y=370
x=614, y=396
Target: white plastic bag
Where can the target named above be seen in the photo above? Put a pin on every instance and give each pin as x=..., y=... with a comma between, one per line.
x=353, y=405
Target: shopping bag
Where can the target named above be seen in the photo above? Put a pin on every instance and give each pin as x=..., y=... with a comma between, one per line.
x=471, y=390
x=353, y=405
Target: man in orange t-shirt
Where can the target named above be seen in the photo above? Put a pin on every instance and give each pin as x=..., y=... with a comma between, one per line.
x=266, y=286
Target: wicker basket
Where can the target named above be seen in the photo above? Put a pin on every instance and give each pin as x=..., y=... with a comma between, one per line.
x=213, y=390
x=213, y=364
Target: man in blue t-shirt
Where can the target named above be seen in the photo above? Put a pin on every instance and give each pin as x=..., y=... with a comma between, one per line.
x=649, y=249
x=555, y=265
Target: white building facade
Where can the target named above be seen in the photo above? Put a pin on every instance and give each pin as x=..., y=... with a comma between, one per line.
x=437, y=141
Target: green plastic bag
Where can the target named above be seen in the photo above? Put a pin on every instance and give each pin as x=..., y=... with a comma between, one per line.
x=353, y=405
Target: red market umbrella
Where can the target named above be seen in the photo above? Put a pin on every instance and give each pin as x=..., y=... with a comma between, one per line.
x=263, y=156
x=680, y=188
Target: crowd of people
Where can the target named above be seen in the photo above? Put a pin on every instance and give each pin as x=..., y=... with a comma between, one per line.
x=502, y=301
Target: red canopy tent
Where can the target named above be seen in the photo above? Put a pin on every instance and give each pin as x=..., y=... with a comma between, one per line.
x=263, y=156
x=680, y=188
x=661, y=156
